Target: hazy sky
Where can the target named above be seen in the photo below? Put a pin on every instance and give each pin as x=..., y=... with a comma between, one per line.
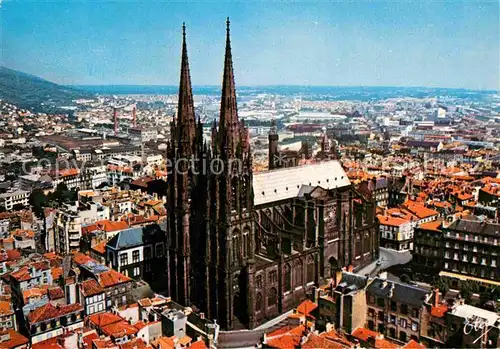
x=396, y=43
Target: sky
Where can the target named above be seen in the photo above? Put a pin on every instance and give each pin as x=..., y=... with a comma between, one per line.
x=348, y=43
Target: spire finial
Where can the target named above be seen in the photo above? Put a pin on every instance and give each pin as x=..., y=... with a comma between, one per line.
x=227, y=24
x=184, y=29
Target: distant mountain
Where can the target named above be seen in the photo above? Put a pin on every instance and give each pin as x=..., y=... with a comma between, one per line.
x=34, y=93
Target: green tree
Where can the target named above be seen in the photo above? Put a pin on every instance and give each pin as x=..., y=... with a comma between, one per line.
x=38, y=201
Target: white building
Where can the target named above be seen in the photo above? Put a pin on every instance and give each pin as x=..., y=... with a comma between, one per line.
x=13, y=198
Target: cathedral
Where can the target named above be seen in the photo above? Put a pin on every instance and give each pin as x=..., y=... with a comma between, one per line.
x=244, y=247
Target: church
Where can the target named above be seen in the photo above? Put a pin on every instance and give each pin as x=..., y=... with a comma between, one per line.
x=244, y=247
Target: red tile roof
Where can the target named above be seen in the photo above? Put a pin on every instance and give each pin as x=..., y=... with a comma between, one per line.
x=49, y=311
x=119, y=329
x=104, y=319
x=364, y=334
x=306, y=307
x=112, y=277
x=91, y=288
x=16, y=340
x=314, y=341
x=412, y=344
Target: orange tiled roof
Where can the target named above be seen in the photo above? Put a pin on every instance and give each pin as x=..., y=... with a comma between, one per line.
x=382, y=343
x=432, y=225
x=100, y=247
x=104, y=319
x=392, y=221
x=56, y=272
x=35, y=292
x=314, y=341
x=5, y=308
x=412, y=344
x=112, y=277
x=119, y=329
x=306, y=307
x=49, y=311
x=80, y=258
x=91, y=287
x=364, y=334
x=105, y=225
x=419, y=210
x=15, y=340
x=198, y=345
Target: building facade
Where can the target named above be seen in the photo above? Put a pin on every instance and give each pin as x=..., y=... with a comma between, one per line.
x=244, y=248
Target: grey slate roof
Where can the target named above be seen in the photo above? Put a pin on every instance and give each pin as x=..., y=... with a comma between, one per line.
x=136, y=237
x=403, y=293
x=477, y=227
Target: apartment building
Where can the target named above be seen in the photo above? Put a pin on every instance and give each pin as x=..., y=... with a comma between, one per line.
x=13, y=199
x=395, y=309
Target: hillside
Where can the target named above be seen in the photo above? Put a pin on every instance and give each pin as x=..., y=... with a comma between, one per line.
x=37, y=94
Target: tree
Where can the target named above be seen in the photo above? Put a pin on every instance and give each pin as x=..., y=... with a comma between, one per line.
x=441, y=284
x=38, y=201
x=468, y=288
x=405, y=278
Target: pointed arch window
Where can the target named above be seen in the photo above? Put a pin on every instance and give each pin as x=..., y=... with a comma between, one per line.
x=234, y=193
x=359, y=245
x=258, y=302
x=272, y=297
x=366, y=243
x=288, y=277
x=310, y=268
x=246, y=243
x=299, y=273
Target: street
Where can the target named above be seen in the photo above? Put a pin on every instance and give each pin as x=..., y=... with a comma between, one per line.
x=388, y=258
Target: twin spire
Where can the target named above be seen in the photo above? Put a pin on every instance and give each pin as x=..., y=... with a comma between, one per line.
x=228, y=123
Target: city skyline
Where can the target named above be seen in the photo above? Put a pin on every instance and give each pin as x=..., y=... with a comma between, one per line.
x=421, y=44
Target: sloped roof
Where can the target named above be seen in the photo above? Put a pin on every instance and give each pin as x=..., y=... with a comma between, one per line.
x=136, y=237
x=403, y=293
x=282, y=184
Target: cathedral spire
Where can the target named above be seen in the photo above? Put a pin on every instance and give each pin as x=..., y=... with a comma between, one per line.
x=185, y=110
x=229, y=125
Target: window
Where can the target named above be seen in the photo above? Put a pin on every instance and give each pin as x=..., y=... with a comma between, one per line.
x=402, y=336
x=135, y=257
x=394, y=306
x=272, y=297
x=258, y=302
x=371, y=299
x=91, y=310
x=404, y=309
x=415, y=312
x=299, y=276
x=393, y=319
x=258, y=281
x=159, y=250
x=124, y=300
x=380, y=302
x=147, y=252
x=288, y=277
x=310, y=268
x=381, y=316
x=137, y=271
x=414, y=326
x=273, y=277
x=123, y=259
x=402, y=322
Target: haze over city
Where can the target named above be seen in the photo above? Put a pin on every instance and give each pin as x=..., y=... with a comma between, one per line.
x=420, y=43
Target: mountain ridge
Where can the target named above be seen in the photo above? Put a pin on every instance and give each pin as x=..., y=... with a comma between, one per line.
x=35, y=93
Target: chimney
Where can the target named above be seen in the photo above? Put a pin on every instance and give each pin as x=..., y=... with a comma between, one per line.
x=115, y=118
x=134, y=124
x=350, y=268
x=436, y=297
x=391, y=290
